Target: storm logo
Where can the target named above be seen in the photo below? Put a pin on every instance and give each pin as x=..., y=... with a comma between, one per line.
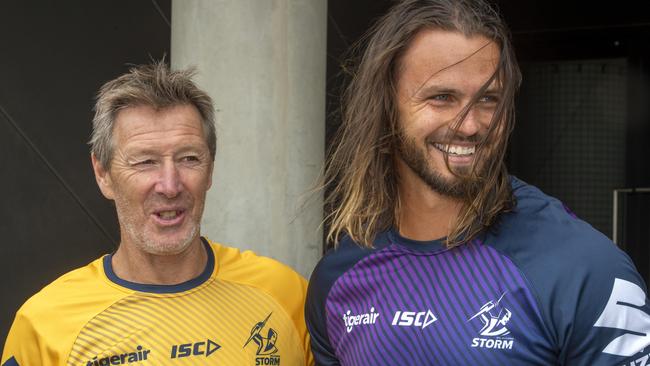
x=494, y=318
x=266, y=349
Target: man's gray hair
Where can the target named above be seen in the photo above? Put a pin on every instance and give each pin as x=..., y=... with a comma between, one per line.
x=153, y=85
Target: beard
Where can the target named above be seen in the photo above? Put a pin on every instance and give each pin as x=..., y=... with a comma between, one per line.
x=144, y=240
x=459, y=185
x=150, y=240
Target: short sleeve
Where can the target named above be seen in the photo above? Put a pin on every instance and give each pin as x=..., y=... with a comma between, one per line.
x=22, y=344
x=612, y=317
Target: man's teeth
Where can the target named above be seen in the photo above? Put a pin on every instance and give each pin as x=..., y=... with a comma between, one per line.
x=168, y=214
x=455, y=149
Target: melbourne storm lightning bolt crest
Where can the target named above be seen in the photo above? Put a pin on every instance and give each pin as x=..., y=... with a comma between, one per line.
x=494, y=317
x=266, y=349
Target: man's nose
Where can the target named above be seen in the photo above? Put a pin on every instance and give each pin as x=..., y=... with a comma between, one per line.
x=169, y=182
x=472, y=123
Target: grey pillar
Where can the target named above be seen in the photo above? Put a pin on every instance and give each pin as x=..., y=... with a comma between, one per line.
x=263, y=63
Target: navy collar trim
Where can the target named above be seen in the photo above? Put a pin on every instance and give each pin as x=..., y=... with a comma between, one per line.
x=163, y=289
x=416, y=245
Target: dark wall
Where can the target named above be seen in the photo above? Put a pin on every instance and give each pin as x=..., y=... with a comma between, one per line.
x=347, y=21
x=55, y=56
x=574, y=31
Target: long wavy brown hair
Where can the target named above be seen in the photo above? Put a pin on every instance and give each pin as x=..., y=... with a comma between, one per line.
x=361, y=196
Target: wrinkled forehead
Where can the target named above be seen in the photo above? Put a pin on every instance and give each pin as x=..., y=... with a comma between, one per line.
x=150, y=123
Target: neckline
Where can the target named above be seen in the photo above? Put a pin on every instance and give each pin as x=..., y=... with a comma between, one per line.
x=163, y=289
x=416, y=245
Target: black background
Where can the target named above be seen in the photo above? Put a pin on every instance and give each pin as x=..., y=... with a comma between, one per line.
x=54, y=56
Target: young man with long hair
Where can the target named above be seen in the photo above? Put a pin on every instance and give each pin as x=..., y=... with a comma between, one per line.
x=440, y=257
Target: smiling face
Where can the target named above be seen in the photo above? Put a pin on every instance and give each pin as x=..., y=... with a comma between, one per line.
x=159, y=175
x=437, y=77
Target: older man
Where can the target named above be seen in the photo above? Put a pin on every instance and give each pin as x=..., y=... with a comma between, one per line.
x=167, y=295
x=442, y=257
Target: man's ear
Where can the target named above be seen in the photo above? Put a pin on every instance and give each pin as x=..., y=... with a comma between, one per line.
x=102, y=177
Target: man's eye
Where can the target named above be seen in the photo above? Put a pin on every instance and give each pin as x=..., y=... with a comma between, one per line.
x=190, y=158
x=145, y=162
x=441, y=97
x=489, y=99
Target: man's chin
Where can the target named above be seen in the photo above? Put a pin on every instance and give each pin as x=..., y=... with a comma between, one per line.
x=447, y=185
x=170, y=243
x=166, y=248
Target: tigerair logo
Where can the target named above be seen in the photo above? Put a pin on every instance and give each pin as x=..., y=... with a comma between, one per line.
x=266, y=349
x=421, y=319
x=202, y=348
x=359, y=319
x=494, y=318
x=140, y=354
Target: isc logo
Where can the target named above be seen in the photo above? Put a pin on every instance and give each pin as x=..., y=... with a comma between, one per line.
x=195, y=349
x=411, y=318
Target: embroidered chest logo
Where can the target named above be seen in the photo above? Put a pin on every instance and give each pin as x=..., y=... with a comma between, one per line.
x=352, y=320
x=494, y=332
x=201, y=348
x=266, y=349
x=418, y=319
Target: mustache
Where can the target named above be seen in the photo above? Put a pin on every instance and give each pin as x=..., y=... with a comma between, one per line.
x=451, y=138
x=184, y=199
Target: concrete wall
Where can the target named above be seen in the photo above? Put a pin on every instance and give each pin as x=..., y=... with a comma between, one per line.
x=263, y=62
